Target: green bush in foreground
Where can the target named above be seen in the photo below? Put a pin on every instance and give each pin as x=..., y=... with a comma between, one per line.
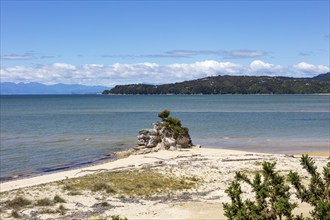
x=117, y=217
x=272, y=196
x=317, y=194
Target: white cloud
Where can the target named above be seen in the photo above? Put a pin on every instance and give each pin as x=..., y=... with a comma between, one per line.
x=64, y=66
x=121, y=73
x=239, y=54
x=310, y=68
x=262, y=67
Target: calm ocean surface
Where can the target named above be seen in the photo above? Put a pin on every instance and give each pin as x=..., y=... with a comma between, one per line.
x=51, y=132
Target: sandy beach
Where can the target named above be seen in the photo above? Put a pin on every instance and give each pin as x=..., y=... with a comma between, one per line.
x=199, y=176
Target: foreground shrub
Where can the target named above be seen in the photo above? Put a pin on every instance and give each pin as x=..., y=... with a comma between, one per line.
x=317, y=194
x=117, y=217
x=272, y=196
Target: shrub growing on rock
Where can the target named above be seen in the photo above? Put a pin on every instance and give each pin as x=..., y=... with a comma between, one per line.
x=164, y=114
x=173, y=125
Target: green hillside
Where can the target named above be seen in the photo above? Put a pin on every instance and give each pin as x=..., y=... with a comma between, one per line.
x=233, y=85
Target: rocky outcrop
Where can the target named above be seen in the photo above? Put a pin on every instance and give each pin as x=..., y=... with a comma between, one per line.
x=161, y=138
x=167, y=134
x=155, y=139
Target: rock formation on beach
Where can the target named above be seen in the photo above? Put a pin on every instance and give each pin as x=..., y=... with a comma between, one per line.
x=167, y=134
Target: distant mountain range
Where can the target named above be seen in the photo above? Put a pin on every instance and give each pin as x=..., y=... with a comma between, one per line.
x=233, y=85
x=8, y=88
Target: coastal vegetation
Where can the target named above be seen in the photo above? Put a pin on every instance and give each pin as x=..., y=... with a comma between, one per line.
x=59, y=199
x=317, y=192
x=44, y=202
x=173, y=125
x=272, y=196
x=164, y=114
x=113, y=217
x=233, y=85
x=143, y=183
x=20, y=202
x=272, y=193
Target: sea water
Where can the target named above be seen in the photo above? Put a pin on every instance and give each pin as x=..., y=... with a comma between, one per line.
x=45, y=133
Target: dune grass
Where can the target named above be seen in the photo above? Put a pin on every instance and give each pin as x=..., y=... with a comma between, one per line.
x=18, y=202
x=131, y=183
x=58, y=199
x=44, y=202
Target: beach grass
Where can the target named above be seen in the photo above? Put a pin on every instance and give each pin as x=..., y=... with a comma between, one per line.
x=44, y=202
x=18, y=202
x=130, y=183
x=58, y=199
x=62, y=210
x=15, y=214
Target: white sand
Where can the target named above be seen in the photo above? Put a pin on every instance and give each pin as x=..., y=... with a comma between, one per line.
x=216, y=167
x=134, y=161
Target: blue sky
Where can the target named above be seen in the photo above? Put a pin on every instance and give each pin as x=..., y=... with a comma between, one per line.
x=120, y=42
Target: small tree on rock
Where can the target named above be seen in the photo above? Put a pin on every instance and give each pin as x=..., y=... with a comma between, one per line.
x=164, y=114
x=173, y=125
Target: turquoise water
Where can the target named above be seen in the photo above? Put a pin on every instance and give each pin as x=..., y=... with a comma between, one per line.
x=45, y=133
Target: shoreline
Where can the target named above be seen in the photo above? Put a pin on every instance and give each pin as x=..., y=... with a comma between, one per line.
x=110, y=156
x=71, y=173
x=57, y=175
x=57, y=169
